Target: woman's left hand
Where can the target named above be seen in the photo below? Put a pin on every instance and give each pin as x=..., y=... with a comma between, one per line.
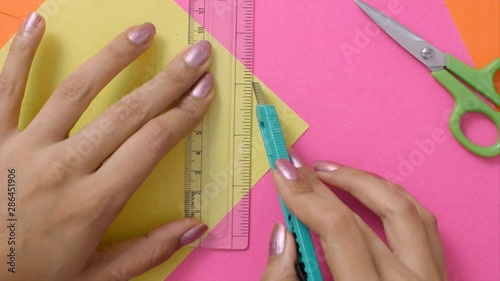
x=66, y=191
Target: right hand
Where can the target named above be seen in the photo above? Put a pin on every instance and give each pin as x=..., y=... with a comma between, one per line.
x=352, y=250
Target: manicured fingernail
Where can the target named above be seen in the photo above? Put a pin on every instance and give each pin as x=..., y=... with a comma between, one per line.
x=193, y=234
x=297, y=162
x=277, y=242
x=32, y=21
x=203, y=86
x=324, y=166
x=287, y=169
x=142, y=34
x=198, y=53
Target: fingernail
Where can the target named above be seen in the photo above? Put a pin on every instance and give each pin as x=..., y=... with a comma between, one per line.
x=324, y=166
x=277, y=242
x=198, y=53
x=294, y=157
x=203, y=86
x=142, y=34
x=286, y=169
x=193, y=234
x=32, y=21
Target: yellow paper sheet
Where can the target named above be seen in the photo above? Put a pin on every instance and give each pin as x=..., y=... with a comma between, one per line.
x=78, y=29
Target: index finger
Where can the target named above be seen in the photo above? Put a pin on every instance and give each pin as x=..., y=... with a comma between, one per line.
x=343, y=243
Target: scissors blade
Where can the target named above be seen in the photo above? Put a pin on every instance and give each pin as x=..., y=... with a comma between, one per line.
x=429, y=55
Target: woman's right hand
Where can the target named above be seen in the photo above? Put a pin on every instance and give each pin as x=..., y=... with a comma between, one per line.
x=352, y=250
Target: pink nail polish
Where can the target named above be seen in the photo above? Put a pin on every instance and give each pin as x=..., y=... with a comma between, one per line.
x=277, y=242
x=142, y=34
x=193, y=234
x=294, y=157
x=287, y=169
x=203, y=86
x=198, y=53
x=326, y=166
x=32, y=21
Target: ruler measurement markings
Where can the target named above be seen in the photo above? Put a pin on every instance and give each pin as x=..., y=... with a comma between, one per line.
x=195, y=138
x=246, y=92
x=234, y=129
x=242, y=104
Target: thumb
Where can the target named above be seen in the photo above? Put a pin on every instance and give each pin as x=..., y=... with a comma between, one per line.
x=129, y=259
x=282, y=256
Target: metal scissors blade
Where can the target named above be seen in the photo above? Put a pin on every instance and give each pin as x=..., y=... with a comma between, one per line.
x=429, y=55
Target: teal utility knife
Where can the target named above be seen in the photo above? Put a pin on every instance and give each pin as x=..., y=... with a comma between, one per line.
x=307, y=263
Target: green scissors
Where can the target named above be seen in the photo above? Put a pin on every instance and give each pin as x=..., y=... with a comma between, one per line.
x=447, y=70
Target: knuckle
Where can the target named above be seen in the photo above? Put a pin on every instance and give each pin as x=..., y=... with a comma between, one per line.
x=191, y=109
x=118, y=275
x=358, y=219
x=393, y=188
x=93, y=268
x=46, y=118
x=75, y=90
x=19, y=47
x=401, y=206
x=7, y=86
x=156, y=256
x=51, y=176
x=157, y=137
x=131, y=112
x=430, y=220
x=299, y=194
x=116, y=51
x=338, y=220
x=353, y=173
x=96, y=260
x=177, y=74
x=396, y=188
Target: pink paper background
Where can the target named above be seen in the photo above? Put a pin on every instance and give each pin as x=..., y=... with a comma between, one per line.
x=372, y=109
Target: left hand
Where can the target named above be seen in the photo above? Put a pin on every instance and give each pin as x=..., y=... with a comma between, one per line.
x=66, y=191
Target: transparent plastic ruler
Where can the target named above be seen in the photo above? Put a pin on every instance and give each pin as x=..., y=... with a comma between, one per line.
x=218, y=150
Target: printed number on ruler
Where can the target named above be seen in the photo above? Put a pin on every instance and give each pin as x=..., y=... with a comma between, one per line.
x=218, y=150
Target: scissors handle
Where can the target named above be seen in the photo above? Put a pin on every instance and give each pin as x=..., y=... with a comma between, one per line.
x=467, y=101
x=481, y=80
